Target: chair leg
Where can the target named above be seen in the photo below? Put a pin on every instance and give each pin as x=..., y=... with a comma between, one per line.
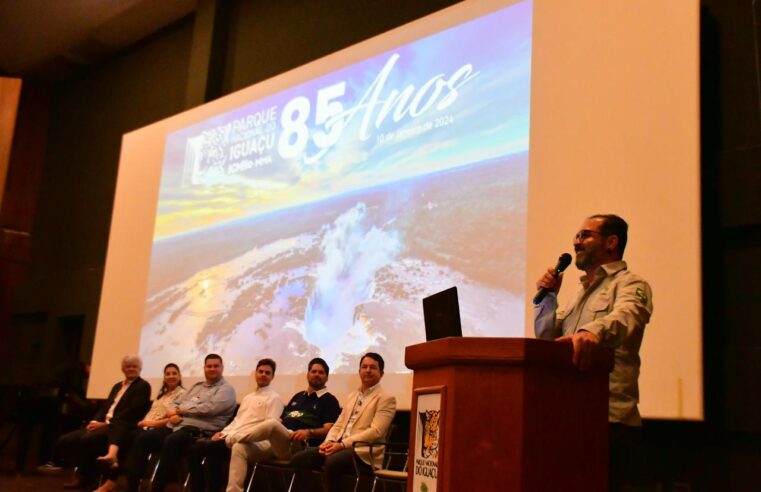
x=153, y=475
x=251, y=480
x=187, y=477
x=375, y=482
x=290, y=484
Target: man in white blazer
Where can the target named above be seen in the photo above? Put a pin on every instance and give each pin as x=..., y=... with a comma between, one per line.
x=366, y=416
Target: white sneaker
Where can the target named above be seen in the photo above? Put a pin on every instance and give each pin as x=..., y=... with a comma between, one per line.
x=49, y=467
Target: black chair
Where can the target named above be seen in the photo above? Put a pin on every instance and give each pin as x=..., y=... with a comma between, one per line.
x=283, y=467
x=393, y=468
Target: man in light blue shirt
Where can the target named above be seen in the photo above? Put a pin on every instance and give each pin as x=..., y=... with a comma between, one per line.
x=201, y=412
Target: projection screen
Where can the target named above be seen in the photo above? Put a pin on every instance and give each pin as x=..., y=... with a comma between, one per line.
x=309, y=214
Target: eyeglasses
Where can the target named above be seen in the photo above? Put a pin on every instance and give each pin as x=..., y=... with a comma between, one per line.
x=585, y=233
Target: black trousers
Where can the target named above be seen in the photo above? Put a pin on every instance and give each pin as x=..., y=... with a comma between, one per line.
x=145, y=443
x=121, y=435
x=623, y=442
x=334, y=467
x=212, y=476
x=185, y=444
x=80, y=448
x=174, y=449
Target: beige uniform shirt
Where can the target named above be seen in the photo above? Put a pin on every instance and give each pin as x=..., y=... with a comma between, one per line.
x=616, y=306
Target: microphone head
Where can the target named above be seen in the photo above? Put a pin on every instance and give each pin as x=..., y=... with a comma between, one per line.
x=563, y=262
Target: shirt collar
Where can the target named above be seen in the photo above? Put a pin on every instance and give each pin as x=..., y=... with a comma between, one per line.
x=219, y=382
x=614, y=267
x=606, y=270
x=369, y=390
x=320, y=392
x=266, y=389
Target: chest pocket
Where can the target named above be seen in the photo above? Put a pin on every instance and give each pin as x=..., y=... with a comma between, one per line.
x=599, y=308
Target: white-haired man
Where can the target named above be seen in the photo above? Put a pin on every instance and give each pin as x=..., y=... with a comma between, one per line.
x=126, y=404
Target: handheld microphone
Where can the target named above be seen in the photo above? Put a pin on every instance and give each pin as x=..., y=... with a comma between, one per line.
x=563, y=262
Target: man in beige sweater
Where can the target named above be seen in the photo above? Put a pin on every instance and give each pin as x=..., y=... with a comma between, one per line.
x=366, y=416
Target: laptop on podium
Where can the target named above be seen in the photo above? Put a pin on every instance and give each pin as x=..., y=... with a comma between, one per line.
x=441, y=312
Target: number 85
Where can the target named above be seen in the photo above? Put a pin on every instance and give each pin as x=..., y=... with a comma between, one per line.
x=293, y=139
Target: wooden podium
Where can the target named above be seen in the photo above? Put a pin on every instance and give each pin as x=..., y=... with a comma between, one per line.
x=515, y=415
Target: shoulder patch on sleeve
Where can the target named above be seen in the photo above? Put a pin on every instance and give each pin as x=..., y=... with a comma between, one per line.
x=640, y=294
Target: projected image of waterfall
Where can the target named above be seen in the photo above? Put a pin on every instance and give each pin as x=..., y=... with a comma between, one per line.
x=353, y=254
x=313, y=221
x=343, y=276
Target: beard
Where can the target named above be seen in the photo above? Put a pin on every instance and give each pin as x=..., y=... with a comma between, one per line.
x=583, y=260
x=316, y=383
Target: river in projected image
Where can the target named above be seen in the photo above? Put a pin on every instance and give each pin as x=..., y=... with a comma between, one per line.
x=343, y=276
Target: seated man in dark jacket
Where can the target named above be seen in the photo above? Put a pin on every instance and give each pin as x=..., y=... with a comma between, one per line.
x=126, y=404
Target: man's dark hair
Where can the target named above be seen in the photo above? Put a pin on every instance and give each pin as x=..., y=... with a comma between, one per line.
x=613, y=225
x=376, y=357
x=213, y=356
x=267, y=362
x=318, y=360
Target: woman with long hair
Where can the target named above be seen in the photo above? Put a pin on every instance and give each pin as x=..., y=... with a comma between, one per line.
x=119, y=438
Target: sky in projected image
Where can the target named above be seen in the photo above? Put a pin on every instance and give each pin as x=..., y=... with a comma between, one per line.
x=313, y=221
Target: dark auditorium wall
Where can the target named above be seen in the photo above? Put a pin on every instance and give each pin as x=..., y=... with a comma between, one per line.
x=724, y=452
x=268, y=38
x=201, y=58
x=731, y=123
x=88, y=114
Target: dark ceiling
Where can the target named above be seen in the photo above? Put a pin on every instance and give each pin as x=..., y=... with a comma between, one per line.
x=51, y=38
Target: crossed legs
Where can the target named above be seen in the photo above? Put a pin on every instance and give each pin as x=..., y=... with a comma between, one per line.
x=242, y=455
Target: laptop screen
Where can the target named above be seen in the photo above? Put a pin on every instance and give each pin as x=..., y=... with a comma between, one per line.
x=441, y=312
